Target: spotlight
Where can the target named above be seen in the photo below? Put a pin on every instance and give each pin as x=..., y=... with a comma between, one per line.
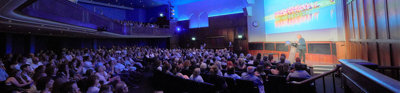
x=193, y=38
x=240, y=36
x=161, y=15
x=178, y=29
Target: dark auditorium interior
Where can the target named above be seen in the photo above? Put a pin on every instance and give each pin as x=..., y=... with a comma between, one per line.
x=200, y=46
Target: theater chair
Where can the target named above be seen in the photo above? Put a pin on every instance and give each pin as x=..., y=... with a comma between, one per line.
x=307, y=88
x=245, y=86
x=231, y=84
x=276, y=84
x=174, y=84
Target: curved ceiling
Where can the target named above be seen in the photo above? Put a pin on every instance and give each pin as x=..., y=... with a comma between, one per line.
x=11, y=18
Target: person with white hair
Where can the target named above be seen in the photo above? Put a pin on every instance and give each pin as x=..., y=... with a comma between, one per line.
x=251, y=77
x=196, y=75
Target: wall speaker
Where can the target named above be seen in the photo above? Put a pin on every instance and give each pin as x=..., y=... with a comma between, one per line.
x=248, y=11
x=250, y=1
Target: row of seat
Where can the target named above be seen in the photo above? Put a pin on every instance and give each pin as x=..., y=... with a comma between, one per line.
x=275, y=84
x=174, y=84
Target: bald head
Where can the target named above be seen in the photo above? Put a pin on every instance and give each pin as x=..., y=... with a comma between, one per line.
x=298, y=36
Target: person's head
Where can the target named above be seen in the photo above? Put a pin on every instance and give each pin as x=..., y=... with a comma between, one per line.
x=26, y=68
x=89, y=72
x=270, y=57
x=298, y=36
x=35, y=60
x=44, y=82
x=121, y=88
x=100, y=69
x=105, y=89
x=186, y=63
x=282, y=59
x=51, y=70
x=166, y=67
x=70, y=87
x=258, y=56
x=283, y=68
x=298, y=60
x=196, y=71
x=260, y=68
x=93, y=80
x=214, y=70
x=283, y=55
x=250, y=69
x=298, y=67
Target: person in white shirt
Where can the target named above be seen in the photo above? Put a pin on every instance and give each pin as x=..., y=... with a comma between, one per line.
x=35, y=63
x=87, y=64
x=103, y=76
x=196, y=75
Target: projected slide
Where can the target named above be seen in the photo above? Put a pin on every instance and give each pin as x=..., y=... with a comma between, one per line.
x=299, y=15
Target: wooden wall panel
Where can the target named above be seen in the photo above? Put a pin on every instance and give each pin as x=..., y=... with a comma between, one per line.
x=373, y=25
x=394, y=18
x=350, y=20
x=341, y=50
x=381, y=19
x=384, y=54
x=370, y=19
x=372, y=53
x=364, y=51
x=359, y=50
x=356, y=21
x=396, y=54
x=361, y=18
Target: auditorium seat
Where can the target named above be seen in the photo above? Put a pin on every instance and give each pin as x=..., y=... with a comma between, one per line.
x=245, y=86
x=309, y=88
x=231, y=84
x=174, y=84
x=276, y=84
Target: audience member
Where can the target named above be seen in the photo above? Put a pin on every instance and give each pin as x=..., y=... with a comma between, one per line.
x=231, y=73
x=196, y=75
x=251, y=77
x=45, y=84
x=298, y=73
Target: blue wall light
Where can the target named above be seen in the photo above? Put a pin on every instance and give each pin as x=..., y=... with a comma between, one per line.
x=178, y=29
x=161, y=15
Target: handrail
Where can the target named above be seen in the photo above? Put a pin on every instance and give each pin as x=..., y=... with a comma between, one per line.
x=317, y=77
x=358, y=74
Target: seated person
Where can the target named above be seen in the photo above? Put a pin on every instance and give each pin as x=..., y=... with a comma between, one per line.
x=94, y=85
x=70, y=87
x=283, y=60
x=45, y=84
x=251, y=77
x=196, y=75
x=298, y=72
x=3, y=73
x=16, y=82
x=103, y=76
x=231, y=73
x=121, y=87
x=215, y=79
